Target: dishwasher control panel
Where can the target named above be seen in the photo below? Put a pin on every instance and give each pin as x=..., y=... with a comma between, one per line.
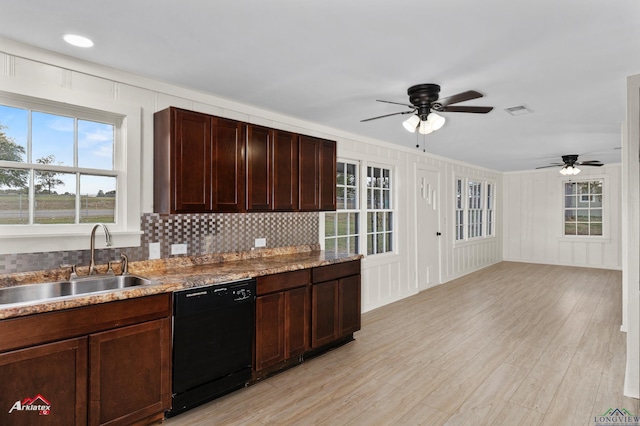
x=198, y=299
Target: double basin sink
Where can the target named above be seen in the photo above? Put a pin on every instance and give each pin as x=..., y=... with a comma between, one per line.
x=76, y=287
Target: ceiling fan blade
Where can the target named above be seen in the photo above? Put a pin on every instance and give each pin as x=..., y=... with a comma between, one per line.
x=591, y=163
x=460, y=97
x=388, y=115
x=552, y=165
x=473, y=109
x=395, y=103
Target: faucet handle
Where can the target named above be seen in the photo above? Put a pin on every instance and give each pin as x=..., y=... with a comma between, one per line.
x=74, y=273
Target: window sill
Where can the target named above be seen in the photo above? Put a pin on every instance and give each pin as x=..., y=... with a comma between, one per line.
x=13, y=244
x=584, y=239
x=479, y=240
x=381, y=258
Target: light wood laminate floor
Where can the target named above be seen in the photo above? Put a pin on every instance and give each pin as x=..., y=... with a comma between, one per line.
x=512, y=344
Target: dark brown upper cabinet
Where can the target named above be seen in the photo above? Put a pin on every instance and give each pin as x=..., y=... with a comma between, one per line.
x=272, y=172
x=317, y=174
x=285, y=171
x=228, y=165
x=198, y=163
x=259, y=180
x=204, y=164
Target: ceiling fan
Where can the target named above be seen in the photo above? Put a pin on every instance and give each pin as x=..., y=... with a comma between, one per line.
x=425, y=101
x=569, y=164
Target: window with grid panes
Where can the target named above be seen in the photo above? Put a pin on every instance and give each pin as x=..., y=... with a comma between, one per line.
x=379, y=210
x=57, y=166
x=475, y=209
x=341, y=228
x=583, y=208
x=490, y=210
x=460, y=209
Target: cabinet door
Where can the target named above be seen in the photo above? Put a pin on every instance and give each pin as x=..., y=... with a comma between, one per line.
x=191, y=152
x=130, y=373
x=269, y=330
x=228, y=165
x=53, y=376
x=324, y=312
x=258, y=168
x=309, y=173
x=296, y=327
x=350, y=302
x=285, y=171
x=328, y=175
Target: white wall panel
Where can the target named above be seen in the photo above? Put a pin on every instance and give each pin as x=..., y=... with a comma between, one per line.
x=533, y=225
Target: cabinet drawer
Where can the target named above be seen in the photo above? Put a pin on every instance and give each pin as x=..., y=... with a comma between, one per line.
x=47, y=327
x=283, y=281
x=338, y=270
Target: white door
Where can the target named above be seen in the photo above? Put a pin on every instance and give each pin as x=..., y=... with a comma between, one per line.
x=428, y=232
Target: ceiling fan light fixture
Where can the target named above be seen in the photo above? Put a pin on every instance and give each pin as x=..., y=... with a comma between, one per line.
x=425, y=127
x=569, y=171
x=411, y=123
x=436, y=121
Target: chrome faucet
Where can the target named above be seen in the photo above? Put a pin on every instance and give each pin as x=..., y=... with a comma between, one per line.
x=107, y=237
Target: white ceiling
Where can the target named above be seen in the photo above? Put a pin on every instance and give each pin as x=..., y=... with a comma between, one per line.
x=327, y=61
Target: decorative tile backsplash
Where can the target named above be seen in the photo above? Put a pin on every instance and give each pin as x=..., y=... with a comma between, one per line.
x=203, y=234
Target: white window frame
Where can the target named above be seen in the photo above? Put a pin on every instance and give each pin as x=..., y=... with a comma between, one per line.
x=346, y=213
x=605, y=208
x=490, y=199
x=362, y=209
x=486, y=212
x=127, y=169
x=390, y=235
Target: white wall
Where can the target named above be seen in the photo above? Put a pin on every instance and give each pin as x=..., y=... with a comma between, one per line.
x=631, y=246
x=386, y=278
x=390, y=277
x=533, y=220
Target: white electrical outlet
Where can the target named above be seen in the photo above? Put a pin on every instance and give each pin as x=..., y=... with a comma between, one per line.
x=260, y=242
x=178, y=249
x=154, y=251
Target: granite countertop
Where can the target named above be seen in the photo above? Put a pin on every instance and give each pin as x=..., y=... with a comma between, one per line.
x=175, y=274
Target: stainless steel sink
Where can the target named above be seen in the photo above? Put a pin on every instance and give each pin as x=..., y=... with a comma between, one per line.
x=79, y=286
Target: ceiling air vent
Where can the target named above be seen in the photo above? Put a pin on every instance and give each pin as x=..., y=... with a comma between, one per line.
x=518, y=110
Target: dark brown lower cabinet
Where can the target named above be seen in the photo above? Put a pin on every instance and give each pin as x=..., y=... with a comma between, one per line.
x=324, y=299
x=45, y=384
x=130, y=373
x=106, y=364
x=349, y=305
x=269, y=330
x=335, y=302
x=282, y=318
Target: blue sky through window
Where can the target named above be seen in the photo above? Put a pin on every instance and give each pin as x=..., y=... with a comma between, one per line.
x=53, y=134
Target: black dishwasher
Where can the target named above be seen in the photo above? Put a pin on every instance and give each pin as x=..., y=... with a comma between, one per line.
x=213, y=330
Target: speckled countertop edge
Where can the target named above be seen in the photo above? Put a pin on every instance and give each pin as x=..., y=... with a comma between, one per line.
x=176, y=274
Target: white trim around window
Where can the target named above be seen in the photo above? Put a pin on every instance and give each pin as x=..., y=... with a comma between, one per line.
x=366, y=225
x=127, y=170
x=474, y=210
x=594, y=204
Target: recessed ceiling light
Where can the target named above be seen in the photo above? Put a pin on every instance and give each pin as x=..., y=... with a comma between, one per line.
x=77, y=40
